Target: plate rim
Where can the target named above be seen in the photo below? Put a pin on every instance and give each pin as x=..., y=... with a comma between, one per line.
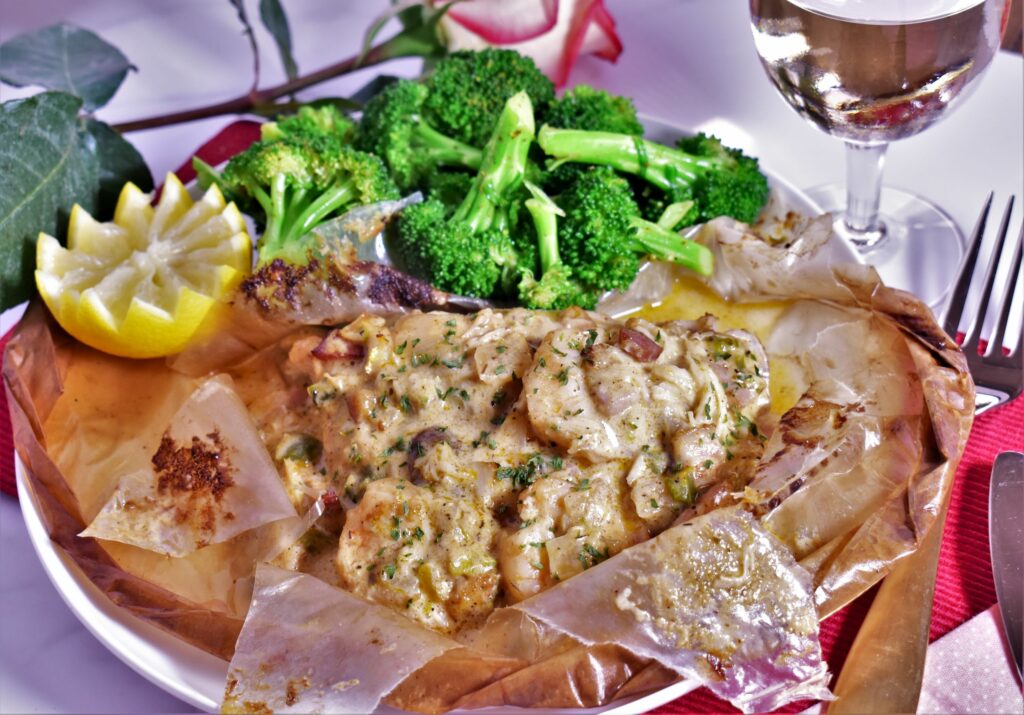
x=109, y=623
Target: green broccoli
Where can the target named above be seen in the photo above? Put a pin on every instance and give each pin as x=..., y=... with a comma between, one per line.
x=590, y=109
x=594, y=110
x=740, y=190
x=470, y=251
x=721, y=181
x=310, y=121
x=468, y=89
x=292, y=185
x=449, y=254
x=603, y=237
x=556, y=289
x=448, y=187
x=393, y=128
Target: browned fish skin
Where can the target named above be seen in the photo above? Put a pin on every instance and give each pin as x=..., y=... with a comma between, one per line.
x=331, y=292
x=483, y=458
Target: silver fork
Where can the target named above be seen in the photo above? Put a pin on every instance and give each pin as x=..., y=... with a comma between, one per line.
x=999, y=378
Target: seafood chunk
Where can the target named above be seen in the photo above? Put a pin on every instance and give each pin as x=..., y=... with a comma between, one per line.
x=420, y=553
x=481, y=459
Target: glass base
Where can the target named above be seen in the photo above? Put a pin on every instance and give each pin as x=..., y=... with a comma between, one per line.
x=922, y=246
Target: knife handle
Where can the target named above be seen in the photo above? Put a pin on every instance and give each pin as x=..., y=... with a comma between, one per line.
x=1006, y=544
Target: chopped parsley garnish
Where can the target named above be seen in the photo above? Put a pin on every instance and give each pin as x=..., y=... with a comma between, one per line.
x=525, y=474
x=485, y=439
x=589, y=556
x=398, y=446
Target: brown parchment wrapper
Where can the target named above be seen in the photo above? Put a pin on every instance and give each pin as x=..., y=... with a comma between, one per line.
x=853, y=479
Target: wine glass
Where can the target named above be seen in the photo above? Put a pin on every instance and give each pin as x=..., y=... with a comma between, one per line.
x=869, y=72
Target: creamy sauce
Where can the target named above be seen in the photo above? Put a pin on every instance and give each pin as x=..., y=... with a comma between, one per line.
x=481, y=459
x=691, y=299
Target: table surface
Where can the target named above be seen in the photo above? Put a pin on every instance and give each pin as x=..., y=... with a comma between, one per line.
x=687, y=61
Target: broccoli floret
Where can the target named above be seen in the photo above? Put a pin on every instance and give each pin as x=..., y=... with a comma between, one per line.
x=292, y=185
x=594, y=110
x=654, y=202
x=310, y=121
x=603, y=238
x=470, y=251
x=448, y=187
x=721, y=182
x=393, y=128
x=584, y=107
x=740, y=190
x=468, y=89
x=557, y=288
x=594, y=236
x=449, y=253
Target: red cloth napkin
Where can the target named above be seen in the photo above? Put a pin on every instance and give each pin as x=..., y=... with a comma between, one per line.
x=963, y=586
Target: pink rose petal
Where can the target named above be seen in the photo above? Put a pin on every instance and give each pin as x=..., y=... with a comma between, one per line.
x=582, y=18
x=580, y=27
x=506, y=22
x=611, y=47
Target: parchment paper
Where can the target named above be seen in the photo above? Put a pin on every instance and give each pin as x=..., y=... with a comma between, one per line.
x=853, y=479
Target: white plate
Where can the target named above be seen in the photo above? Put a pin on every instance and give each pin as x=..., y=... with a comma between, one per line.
x=197, y=677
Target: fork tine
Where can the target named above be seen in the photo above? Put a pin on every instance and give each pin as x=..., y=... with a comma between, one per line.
x=970, y=345
x=995, y=345
x=963, y=279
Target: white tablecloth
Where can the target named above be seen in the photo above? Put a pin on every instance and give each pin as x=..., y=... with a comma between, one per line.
x=688, y=61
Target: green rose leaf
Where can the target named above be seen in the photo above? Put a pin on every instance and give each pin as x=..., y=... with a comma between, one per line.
x=45, y=168
x=420, y=35
x=51, y=159
x=276, y=22
x=65, y=57
x=118, y=162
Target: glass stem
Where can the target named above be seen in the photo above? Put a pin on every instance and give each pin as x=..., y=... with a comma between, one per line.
x=864, y=163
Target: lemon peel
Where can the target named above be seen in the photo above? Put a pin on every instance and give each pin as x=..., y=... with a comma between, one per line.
x=142, y=285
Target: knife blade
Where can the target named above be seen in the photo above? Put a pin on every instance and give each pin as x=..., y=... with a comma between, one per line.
x=1006, y=541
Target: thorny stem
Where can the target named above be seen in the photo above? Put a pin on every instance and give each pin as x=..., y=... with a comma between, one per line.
x=254, y=98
